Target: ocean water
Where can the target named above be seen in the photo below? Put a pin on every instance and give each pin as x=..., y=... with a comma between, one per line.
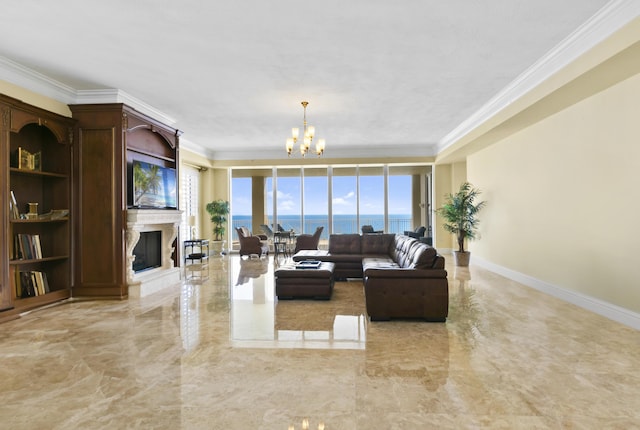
x=398, y=223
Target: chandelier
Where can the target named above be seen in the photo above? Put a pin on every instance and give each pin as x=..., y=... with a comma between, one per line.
x=307, y=139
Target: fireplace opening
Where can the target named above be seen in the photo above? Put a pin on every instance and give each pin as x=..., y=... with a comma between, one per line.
x=148, y=251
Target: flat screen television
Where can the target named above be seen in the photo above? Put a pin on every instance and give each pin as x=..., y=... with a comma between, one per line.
x=154, y=186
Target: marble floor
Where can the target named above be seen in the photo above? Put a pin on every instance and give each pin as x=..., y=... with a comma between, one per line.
x=221, y=353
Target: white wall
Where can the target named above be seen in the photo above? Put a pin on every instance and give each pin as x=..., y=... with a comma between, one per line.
x=564, y=199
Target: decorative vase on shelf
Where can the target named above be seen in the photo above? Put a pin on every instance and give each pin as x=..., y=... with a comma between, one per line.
x=33, y=211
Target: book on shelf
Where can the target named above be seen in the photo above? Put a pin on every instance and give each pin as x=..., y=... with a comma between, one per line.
x=30, y=283
x=25, y=160
x=41, y=284
x=45, y=280
x=37, y=249
x=13, y=206
x=27, y=247
x=37, y=161
x=27, y=285
x=14, y=251
x=34, y=282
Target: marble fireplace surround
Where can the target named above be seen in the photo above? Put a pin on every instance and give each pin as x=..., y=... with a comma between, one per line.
x=167, y=221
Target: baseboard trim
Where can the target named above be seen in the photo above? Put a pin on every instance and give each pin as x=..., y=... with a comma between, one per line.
x=600, y=307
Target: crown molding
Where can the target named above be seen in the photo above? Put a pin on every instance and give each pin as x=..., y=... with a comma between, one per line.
x=194, y=148
x=112, y=95
x=31, y=80
x=421, y=151
x=602, y=25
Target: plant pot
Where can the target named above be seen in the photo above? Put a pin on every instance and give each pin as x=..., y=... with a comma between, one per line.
x=217, y=247
x=461, y=258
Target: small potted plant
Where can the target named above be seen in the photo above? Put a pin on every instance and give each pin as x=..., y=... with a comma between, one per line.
x=218, y=210
x=459, y=212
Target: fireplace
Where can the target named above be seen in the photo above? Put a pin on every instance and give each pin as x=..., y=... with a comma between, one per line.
x=147, y=252
x=150, y=237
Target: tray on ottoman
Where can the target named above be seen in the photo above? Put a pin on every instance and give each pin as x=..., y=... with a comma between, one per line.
x=315, y=283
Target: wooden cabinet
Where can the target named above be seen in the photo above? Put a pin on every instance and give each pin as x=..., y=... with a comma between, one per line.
x=110, y=137
x=36, y=255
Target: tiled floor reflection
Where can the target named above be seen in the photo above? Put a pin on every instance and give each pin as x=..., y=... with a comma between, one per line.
x=259, y=320
x=221, y=353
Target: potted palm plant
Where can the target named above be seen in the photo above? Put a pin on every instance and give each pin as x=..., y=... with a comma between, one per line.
x=218, y=210
x=459, y=212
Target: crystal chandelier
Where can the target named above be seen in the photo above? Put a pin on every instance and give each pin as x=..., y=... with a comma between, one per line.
x=308, y=134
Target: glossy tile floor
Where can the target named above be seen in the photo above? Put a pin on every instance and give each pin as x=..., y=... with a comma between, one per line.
x=223, y=354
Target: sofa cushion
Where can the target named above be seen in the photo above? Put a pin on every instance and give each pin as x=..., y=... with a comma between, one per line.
x=400, y=249
x=376, y=244
x=421, y=256
x=412, y=254
x=344, y=244
x=370, y=264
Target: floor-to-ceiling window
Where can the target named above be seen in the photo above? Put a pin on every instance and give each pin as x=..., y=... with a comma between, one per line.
x=344, y=202
x=342, y=198
x=400, y=204
x=409, y=198
x=241, y=204
x=315, y=201
x=371, y=201
x=288, y=200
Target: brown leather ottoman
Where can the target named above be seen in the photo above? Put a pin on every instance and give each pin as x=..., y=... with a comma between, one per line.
x=304, y=283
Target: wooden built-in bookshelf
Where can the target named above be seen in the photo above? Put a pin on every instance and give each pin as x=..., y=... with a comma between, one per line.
x=41, y=188
x=110, y=138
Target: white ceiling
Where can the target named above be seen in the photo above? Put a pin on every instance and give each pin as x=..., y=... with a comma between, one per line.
x=382, y=77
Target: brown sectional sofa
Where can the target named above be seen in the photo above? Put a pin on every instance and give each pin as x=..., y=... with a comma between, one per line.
x=402, y=277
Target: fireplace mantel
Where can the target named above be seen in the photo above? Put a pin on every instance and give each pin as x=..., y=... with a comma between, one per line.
x=153, y=216
x=166, y=221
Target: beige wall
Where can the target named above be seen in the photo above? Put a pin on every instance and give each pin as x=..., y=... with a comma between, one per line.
x=34, y=99
x=447, y=179
x=441, y=186
x=417, y=193
x=563, y=197
x=214, y=185
x=258, y=203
